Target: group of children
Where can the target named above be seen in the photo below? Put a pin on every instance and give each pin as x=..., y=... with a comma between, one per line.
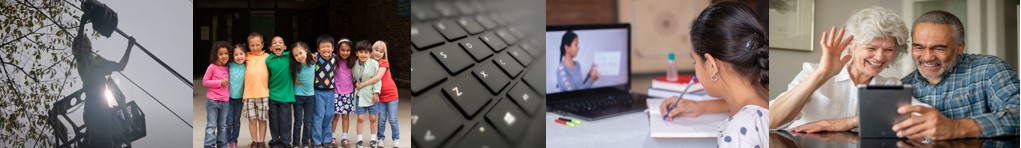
x=310, y=87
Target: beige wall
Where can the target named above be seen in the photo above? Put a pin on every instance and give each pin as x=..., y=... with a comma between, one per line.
x=785, y=64
x=988, y=32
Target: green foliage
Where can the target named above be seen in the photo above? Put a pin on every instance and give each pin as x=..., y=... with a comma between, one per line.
x=35, y=66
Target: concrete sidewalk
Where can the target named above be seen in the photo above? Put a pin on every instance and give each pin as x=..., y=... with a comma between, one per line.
x=245, y=139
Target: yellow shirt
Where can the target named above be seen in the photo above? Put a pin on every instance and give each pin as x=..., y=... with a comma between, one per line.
x=256, y=76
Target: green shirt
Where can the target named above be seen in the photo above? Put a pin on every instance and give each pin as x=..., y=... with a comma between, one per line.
x=281, y=84
x=363, y=72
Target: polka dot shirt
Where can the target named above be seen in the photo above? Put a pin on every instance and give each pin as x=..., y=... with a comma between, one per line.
x=748, y=128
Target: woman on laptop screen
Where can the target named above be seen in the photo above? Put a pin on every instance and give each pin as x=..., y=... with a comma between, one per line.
x=569, y=76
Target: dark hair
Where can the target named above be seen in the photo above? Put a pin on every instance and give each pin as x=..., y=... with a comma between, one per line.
x=324, y=38
x=230, y=51
x=731, y=32
x=566, y=40
x=216, y=46
x=295, y=66
x=945, y=18
x=351, y=52
x=363, y=45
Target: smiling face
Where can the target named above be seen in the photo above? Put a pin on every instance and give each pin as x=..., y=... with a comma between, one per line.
x=871, y=58
x=239, y=56
x=325, y=48
x=299, y=54
x=363, y=55
x=255, y=44
x=934, y=49
x=277, y=46
x=222, y=56
x=345, y=51
x=377, y=53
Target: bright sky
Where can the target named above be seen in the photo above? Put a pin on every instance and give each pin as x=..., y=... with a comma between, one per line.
x=164, y=27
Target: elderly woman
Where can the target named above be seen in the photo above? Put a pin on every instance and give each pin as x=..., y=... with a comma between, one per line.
x=823, y=96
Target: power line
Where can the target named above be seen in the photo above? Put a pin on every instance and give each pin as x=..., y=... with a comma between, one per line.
x=165, y=66
x=154, y=98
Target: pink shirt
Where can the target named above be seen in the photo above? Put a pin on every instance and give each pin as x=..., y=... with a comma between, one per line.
x=213, y=79
x=342, y=78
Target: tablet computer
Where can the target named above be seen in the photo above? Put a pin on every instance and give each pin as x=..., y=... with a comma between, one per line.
x=877, y=109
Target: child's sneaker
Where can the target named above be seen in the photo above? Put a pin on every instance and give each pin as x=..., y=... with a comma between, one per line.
x=374, y=143
x=333, y=143
x=395, y=143
x=345, y=142
x=359, y=144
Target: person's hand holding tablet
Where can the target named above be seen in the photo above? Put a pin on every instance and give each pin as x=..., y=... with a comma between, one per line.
x=927, y=122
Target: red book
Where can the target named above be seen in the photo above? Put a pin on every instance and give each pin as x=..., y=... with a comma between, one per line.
x=679, y=85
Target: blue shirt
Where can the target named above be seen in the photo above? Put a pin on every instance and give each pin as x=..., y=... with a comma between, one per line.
x=237, y=79
x=569, y=79
x=980, y=87
x=305, y=77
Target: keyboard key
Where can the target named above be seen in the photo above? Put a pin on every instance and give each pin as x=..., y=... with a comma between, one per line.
x=464, y=8
x=426, y=73
x=470, y=25
x=424, y=36
x=500, y=20
x=476, y=48
x=535, y=77
x=486, y=22
x=525, y=98
x=433, y=127
x=453, y=60
x=508, y=65
x=450, y=30
x=509, y=120
x=491, y=76
x=530, y=48
x=445, y=9
x=520, y=55
x=494, y=42
x=514, y=31
x=468, y=94
x=506, y=36
x=482, y=136
x=423, y=12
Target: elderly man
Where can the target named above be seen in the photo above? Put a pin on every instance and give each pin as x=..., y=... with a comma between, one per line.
x=972, y=95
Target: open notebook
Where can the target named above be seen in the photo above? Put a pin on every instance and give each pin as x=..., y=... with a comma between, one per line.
x=703, y=126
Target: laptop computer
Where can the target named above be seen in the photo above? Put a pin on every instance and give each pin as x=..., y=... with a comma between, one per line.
x=572, y=90
x=877, y=109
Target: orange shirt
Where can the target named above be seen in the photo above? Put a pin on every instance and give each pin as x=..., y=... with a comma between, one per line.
x=256, y=76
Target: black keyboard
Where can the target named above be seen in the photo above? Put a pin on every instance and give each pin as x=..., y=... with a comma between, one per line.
x=474, y=79
x=593, y=103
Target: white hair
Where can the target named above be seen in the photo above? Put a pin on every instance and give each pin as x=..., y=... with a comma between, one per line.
x=877, y=22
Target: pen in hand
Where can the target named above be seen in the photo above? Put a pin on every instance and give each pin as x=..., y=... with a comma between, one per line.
x=671, y=108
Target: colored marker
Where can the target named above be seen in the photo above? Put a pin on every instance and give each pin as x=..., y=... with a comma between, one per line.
x=570, y=120
x=565, y=123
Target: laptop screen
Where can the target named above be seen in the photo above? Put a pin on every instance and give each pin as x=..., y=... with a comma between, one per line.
x=602, y=49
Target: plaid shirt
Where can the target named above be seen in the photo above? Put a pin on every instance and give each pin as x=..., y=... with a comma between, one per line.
x=980, y=87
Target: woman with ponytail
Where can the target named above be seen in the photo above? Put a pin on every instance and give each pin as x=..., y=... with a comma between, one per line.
x=730, y=50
